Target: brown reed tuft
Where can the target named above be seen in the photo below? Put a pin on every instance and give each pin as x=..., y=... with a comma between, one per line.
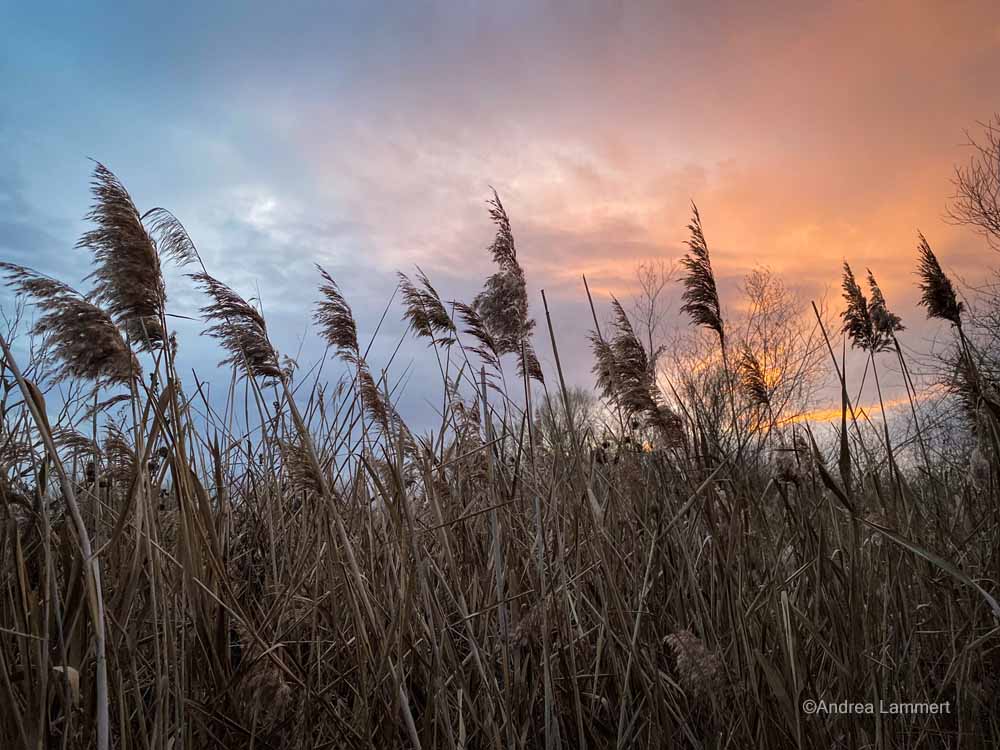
x=81, y=335
x=300, y=470
x=335, y=320
x=121, y=458
x=868, y=323
x=752, y=378
x=502, y=305
x=73, y=441
x=240, y=328
x=528, y=365
x=977, y=395
x=487, y=346
x=701, y=297
x=857, y=318
x=171, y=238
x=626, y=375
x=885, y=323
x=127, y=277
x=700, y=670
x=938, y=294
x=425, y=312
x=337, y=326
x=373, y=400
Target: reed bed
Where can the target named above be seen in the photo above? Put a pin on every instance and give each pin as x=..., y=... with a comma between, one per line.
x=319, y=575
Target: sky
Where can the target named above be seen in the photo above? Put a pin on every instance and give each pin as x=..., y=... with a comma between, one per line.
x=366, y=137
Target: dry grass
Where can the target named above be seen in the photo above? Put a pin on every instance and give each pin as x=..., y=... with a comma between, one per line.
x=323, y=578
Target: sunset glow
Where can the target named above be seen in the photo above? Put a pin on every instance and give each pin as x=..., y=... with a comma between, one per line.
x=807, y=135
x=536, y=374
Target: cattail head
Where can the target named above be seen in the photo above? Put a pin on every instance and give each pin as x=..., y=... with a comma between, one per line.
x=938, y=294
x=335, y=320
x=240, y=328
x=701, y=298
x=127, y=279
x=81, y=335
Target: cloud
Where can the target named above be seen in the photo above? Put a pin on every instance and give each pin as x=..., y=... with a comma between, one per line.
x=367, y=137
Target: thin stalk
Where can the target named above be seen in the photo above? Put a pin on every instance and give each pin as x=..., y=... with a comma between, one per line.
x=92, y=565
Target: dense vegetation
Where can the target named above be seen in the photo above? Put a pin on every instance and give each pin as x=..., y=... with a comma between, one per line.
x=677, y=563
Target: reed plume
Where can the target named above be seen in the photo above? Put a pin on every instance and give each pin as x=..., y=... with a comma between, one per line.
x=336, y=323
x=106, y=405
x=122, y=461
x=335, y=320
x=73, y=441
x=937, y=293
x=700, y=671
x=528, y=365
x=127, y=279
x=884, y=322
x=240, y=328
x=626, y=376
x=82, y=336
x=752, y=377
x=977, y=395
x=701, y=297
x=857, y=317
x=604, y=364
x=301, y=471
x=868, y=323
x=376, y=406
x=486, y=347
x=502, y=305
x=425, y=312
x=171, y=238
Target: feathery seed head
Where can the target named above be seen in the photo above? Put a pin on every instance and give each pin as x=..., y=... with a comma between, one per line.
x=626, y=376
x=335, y=320
x=81, y=335
x=240, y=328
x=857, y=318
x=170, y=236
x=938, y=294
x=884, y=323
x=502, y=305
x=425, y=312
x=752, y=377
x=699, y=669
x=128, y=279
x=701, y=297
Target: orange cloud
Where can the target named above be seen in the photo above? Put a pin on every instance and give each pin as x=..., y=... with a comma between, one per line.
x=864, y=411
